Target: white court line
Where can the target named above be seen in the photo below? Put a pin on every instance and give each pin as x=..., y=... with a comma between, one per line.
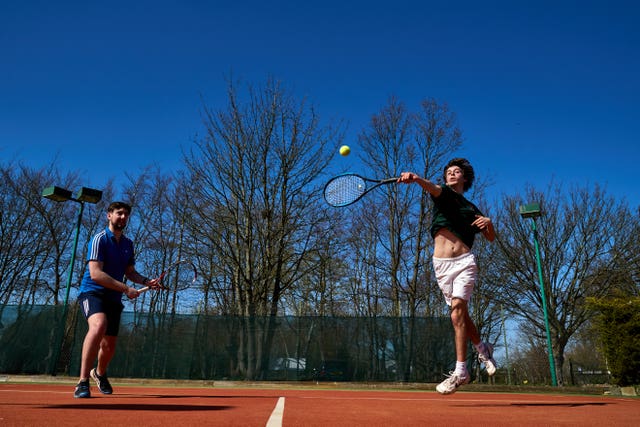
x=275, y=420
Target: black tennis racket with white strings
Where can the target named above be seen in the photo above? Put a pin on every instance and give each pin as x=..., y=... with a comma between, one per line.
x=348, y=188
x=178, y=276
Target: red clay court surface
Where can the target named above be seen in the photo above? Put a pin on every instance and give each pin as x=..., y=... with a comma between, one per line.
x=54, y=405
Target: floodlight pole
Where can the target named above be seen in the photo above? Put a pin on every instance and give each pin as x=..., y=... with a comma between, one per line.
x=61, y=195
x=506, y=346
x=532, y=211
x=73, y=257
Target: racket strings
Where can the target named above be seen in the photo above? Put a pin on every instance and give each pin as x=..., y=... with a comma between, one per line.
x=344, y=190
x=182, y=280
x=179, y=277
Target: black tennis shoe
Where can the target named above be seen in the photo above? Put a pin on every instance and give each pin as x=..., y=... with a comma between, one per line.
x=83, y=390
x=102, y=382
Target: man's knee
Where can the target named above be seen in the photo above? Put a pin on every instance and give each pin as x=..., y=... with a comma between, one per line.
x=458, y=311
x=97, y=324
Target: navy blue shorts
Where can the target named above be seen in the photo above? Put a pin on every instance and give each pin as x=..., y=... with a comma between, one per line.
x=92, y=304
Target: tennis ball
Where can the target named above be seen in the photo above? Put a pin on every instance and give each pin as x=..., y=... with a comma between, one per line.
x=345, y=150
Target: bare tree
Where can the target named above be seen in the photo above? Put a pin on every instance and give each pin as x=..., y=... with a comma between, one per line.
x=626, y=252
x=255, y=197
x=159, y=228
x=578, y=233
x=35, y=235
x=18, y=248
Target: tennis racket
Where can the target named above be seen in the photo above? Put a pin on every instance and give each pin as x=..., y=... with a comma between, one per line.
x=178, y=276
x=348, y=188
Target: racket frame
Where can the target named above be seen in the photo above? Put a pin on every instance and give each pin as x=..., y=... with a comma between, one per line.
x=377, y=183
x=171, y=268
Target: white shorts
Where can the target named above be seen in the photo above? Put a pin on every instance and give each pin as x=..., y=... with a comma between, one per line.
x=456, y=276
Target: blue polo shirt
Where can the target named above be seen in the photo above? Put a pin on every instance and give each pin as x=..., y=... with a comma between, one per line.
x=115, y=256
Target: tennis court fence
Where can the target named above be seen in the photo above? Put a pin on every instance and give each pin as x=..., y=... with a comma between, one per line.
x=34, y=340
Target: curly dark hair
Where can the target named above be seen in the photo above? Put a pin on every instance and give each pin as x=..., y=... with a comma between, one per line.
x=467, y=171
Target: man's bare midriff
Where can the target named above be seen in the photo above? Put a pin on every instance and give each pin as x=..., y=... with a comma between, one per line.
x=448, y=245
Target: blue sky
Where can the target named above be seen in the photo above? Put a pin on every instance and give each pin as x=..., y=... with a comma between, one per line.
x=543, y=90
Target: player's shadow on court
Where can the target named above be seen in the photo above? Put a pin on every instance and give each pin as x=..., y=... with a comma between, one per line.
x=141, y=407
x=194, y=396
x=567, y=404
x=104, y=403
x=536, y=404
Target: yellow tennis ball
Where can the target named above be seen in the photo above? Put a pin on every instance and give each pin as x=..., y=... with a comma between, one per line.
x=345, y=150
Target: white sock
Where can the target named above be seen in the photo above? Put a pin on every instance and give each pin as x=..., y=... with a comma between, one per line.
x=461, y=368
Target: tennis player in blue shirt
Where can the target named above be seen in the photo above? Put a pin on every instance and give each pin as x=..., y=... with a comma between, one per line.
x=110, y=259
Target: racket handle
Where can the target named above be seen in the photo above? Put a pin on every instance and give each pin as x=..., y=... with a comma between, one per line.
x=141, y=290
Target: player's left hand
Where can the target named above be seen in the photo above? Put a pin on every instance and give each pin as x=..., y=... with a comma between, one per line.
x=155, y=284
x=482, y=222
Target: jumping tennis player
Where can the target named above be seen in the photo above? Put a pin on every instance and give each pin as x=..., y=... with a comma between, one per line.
x=455, y=224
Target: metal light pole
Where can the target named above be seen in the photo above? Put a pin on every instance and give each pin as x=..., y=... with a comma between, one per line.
x=57, y=194
x=532, y=211
x=506, y=346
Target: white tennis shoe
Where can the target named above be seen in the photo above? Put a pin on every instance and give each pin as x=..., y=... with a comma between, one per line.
x=487, y=359
x=453, y=381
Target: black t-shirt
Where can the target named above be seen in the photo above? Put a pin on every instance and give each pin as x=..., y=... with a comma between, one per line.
x=455, y=213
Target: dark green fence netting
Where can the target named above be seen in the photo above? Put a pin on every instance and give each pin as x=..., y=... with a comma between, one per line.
x=35, y=340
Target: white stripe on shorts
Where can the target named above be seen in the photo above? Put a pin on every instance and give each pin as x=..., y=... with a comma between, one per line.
x=85, y=307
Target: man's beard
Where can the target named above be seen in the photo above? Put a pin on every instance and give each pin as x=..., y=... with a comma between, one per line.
x=119, y=225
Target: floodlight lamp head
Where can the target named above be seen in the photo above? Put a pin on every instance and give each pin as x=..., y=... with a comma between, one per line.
x=56, y=194
x=532, y=210
x=89, y=195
